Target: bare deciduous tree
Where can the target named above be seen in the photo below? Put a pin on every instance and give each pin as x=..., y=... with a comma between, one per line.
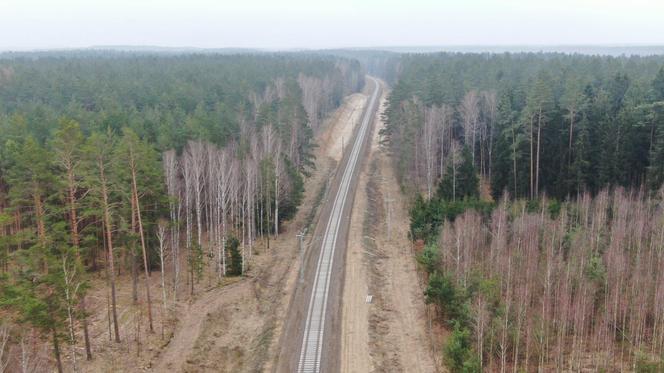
x=490, y=102
x=577, y=291
x=430, y=128
x=312, y=93
x=4, y=337
x=161, y=237
x=171, y=173
x=470, y=114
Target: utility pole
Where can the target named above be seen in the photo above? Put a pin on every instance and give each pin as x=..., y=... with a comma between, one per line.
x=300, y=237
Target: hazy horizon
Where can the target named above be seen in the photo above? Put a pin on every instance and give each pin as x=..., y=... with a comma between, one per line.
x=392, y=48
x=297, y=24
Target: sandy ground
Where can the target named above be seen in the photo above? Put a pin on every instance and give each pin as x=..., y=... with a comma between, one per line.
x=355, y=328
x=232, y=327
x=338, y=137
x=390, y=334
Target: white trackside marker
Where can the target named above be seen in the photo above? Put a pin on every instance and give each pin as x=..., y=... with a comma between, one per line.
x=312, y=340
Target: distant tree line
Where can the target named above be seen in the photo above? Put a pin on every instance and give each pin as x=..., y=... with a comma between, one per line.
x=534, y=123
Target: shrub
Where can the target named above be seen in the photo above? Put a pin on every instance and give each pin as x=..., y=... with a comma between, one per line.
x=644, y=364
x=429, y=258
x=443, y=292
x=458, y=353
x=234, y=263
x=195, y=260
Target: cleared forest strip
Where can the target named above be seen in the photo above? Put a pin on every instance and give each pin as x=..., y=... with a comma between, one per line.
x=355, y=355
x=395, y=320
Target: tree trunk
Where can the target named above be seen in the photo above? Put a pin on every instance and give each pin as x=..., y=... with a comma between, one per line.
x=109, y=242
x=161, y=235
x=133, y=257
x=276, y=198
x=537, y=167
x=223, y=230
x=142, y=236
x=56, y=350
x=134, y=276
x=454, y=166
x=73, y=221
x=532, y=151
x=39, y=216
x=86, y=334
x=571, y=134
x=514, y=160
x=70, y=314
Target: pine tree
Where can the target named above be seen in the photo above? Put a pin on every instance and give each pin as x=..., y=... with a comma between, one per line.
x=98, y=150
x=538, y=112
x=658, y=85
x=460, y=181
x=31, y=179
x=580, y=172
x=44, y=288
x=572, y=101
x=67, y=145
x=235, y=257
x=655, y=175
x=140, y=173
x=508, y=154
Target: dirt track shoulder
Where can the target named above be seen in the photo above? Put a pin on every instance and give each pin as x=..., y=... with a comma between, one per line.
x=390, y=333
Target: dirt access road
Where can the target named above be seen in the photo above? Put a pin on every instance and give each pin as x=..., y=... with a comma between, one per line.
x=390, y=333
x=311, y=338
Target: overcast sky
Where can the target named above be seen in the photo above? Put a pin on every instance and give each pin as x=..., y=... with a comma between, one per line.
x=39, y=24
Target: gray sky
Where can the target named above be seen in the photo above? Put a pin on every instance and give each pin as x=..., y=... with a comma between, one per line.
x=30, y=24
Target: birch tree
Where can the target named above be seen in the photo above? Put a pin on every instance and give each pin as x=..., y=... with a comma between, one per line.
x=430, y=128
x=173, y=188
x=490, y=103
x=161, y=237
x=139, y=160
x=312, y=91
x=4, y=348
x=470, y=112
x=193, y=170
x=445, y=135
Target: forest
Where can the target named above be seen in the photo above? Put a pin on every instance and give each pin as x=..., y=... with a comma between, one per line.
x=536, y=181
x=117, y=163
x=552, y=287
x=535, y=124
